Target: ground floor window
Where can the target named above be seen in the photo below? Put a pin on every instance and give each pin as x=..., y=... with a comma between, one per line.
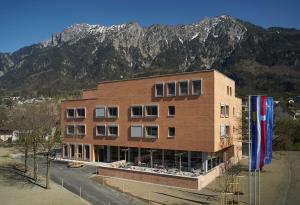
x=87, y=152
x=65, y=151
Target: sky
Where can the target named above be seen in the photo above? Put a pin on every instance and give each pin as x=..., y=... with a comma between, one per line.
x=25, y=22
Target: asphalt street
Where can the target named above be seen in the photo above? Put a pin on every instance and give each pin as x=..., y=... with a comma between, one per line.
x=93, y=192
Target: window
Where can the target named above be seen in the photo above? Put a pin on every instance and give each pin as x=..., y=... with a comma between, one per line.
x=227, y=111
x=136, y=131
x=159, y=90
x=66, y=150
x=227, y=90
x=171, y=110
x=171, y=132
x=137, y=111
x=87, y=152
x=151, y=110
x=112, y=112
x=196, y=87
x=171, y=89
x=113, y=130
x=223, y=112
x=100, y=112
x=183, y=88
x=80, y=112
x=233, y=111
x=80, y=129
x=70, y=130
x=230, y=91
x=100, y=130
x=152, y=131
x=225, y=131
x=70, y=113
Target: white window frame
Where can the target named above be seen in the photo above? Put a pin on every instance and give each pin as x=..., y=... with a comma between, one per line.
x=151, y=136
x=76, y=113
x=107, y=111
x=193, y=91
x=100, y=135
x=99, y=107
x=137, y=125
x=81, y=134
x=179, y=87
x=163, y=89
x=151, y=116
x=136, y=116
x=226, y=135
x=169, y=132
x=67, y=114
x=221, y=114
x=167, y=87
x=169, y=115
x=112, y=125
x=67, y=130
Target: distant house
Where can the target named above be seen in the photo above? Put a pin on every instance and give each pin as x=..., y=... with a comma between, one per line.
x=8, y=135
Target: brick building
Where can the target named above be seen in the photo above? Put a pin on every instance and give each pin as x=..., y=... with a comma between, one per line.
x=154, y=121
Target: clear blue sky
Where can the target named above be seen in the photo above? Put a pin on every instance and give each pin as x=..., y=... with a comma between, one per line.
x=24, y=22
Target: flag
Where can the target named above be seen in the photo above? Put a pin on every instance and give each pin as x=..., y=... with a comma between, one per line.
x=269, y=120
x=261, y=126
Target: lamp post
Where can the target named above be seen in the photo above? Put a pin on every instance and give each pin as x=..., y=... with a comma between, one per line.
x=180, y=154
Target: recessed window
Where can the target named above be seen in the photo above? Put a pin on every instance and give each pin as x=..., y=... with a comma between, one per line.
x=100, y=112
x=113, y=130
x=227, y=111
x=227, y=90
x=233, y=111
x=137, y=111
x=80, y=112
x=171, y=132
x=196, y=87
x=70, y=113
x=184, y=88
x=100, y=130
x=171, y=89
x=80, y=129
x=230, y=91
x=151, y=131
x=112, y=112
x=171, y=110
x=70, y=130
x=151, y=110
x=136, y=131
x=225, y=131
x=223, y=110
x=159, y=90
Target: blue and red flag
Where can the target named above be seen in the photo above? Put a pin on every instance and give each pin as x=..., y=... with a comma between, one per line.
x=261, y=127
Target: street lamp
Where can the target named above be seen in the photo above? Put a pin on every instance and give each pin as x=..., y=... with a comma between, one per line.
x=180, y=154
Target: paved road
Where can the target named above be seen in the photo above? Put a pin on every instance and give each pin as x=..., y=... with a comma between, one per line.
x=93, y=192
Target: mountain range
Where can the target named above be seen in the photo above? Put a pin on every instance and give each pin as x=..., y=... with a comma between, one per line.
x=261, y=60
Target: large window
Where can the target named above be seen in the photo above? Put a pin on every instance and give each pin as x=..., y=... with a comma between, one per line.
x=136, y=131
x=223, y=110
x=100, y=112
x=151, y=131
x=171, y=89
x=196, y=87
x=184, y=88
x=151, y=110
x=159, y=90
x=137, y=111
x=100, y=130
x=171, y=110
x=70, y=130
x=70, y=113
x=171, y=132
x=225, y=131
x=113, y=130
x=87, y=152
x=80, y=112
x=80, y=129
x=112, y=112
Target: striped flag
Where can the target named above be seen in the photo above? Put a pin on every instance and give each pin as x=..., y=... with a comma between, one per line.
x=261, y=126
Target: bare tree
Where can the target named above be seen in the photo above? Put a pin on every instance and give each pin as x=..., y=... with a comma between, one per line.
x=49, y=133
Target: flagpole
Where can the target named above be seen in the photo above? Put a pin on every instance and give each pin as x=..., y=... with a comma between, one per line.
x=249, y=146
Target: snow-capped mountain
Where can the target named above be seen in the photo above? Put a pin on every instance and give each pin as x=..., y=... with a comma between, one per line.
x=83, y=54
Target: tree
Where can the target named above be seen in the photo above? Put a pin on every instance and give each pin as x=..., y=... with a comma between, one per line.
x=49, y=133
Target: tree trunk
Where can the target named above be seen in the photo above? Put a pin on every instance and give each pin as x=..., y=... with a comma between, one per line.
x=34, y=162
x=25, y=160
x=48, y=172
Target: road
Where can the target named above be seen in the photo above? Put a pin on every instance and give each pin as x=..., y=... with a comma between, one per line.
x=74, y=178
